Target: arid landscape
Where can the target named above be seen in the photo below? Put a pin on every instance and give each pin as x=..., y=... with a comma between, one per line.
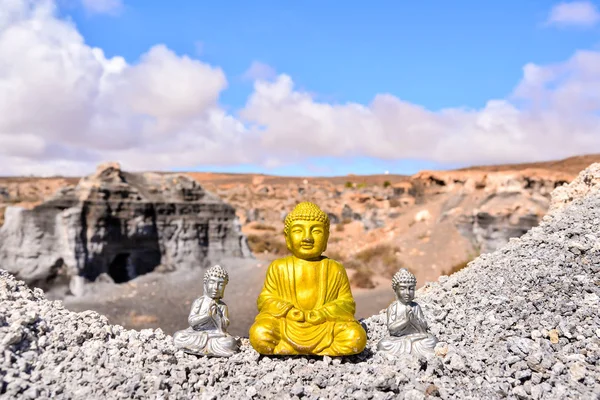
x=151, y=153
x=433, y=223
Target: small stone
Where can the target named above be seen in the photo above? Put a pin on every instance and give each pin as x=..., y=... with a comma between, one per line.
x=441, y=349
x=520, y=392
x=476, y=366
x=537, y=392
x=414, y=394
x=577, y=371
x=12, y=338
x=29, y=318
x=432, y=390
x=297, y=390
x=553, y=334
x=359, y=395
x=512, y=359
x=457, y=363
x=31, y=393
x=535, y=334
x=558, y=368
x=523, y=375
x=536, y=378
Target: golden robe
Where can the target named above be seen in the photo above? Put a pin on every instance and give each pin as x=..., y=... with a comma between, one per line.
x=275, y=333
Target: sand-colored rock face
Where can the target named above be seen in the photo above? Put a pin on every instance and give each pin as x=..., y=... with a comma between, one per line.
x=119, y=224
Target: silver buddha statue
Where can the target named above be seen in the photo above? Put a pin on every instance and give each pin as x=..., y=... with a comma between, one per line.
x=208, y=320
x=405, y=321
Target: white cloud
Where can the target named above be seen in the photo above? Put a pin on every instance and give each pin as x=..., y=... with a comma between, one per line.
x=64, y=103
x=111, y=7
x=64, y=107
x=554, y=112
x=260, y=71
x=578, y=13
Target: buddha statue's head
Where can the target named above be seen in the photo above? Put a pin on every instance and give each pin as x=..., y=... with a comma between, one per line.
x=215, y=280
x=404, y=284
x=306, y=231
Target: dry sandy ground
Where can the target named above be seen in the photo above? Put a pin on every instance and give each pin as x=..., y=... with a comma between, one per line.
x=164, y=300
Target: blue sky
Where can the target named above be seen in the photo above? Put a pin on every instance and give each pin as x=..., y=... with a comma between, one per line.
x=432, y=54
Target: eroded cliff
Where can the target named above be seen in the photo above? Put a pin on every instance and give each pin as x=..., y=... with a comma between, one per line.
x=118, y=225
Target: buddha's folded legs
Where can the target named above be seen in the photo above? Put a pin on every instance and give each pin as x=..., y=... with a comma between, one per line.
x=424, y=346
x=205, y=343
x=348, y=338
x=191, y=340
x=222, y=346
x=266, y=338
x=420, y=343
x=394, y=345
x=265, y=335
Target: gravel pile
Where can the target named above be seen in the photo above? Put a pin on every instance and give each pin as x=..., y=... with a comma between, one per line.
x=587, y=181
x=522, y=322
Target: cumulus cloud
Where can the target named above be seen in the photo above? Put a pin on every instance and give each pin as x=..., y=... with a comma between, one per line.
x=65, y=107
x=578, y=13
x=111, y=7
x=554, y=112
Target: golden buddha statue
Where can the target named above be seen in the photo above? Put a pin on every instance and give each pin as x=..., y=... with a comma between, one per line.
x=306, y=305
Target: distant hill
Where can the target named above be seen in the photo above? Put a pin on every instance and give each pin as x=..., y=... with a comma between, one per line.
x=571, y=165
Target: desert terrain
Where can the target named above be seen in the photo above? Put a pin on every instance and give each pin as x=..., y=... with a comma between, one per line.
x=516, y=323
x=433, y=222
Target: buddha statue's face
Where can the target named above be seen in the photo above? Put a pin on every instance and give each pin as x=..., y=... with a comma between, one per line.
x=405, y=292
x=214, y=288
x=307, y=239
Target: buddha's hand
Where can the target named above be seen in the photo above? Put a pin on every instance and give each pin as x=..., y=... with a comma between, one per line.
x=296, y=315
x=213, y=309
x=315, y=317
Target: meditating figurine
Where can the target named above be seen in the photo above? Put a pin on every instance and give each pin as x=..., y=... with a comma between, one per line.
x=306, y=306
x=405, y=321
x=209, y=319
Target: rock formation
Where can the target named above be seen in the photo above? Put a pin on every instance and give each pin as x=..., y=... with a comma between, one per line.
x=120, y=224
x=493, y=207
x=501, y=216
x=518, y=323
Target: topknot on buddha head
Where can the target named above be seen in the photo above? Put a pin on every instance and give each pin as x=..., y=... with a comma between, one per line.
x=403, y=277
x=306, y=211
x=216, y=271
